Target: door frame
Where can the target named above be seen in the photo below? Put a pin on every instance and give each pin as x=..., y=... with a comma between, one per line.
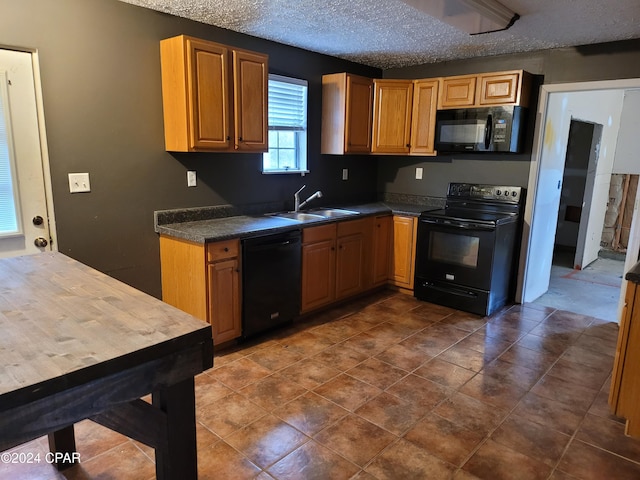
x=44, y=150
x=534, y=170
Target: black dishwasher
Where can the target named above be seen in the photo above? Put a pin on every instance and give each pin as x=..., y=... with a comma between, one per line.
x=271, y=275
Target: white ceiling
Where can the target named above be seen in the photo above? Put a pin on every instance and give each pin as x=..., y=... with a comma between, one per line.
x=390, y=33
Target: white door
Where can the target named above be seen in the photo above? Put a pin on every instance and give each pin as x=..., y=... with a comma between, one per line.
x=24, y=218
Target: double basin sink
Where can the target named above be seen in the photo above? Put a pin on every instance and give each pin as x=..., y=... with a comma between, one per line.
x=315, y=214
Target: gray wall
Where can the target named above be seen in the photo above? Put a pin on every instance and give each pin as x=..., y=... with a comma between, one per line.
x=588, y=63
x=100, y=70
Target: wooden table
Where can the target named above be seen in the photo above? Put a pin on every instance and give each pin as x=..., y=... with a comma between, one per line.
x=77, y=344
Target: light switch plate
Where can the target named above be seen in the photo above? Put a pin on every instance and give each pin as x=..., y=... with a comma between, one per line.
x=345, y=174
x=418, y=173
x=191, y=178
x=79, y=182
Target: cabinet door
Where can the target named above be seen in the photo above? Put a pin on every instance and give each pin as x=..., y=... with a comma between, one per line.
x=358, y=115
x=251, y=83
x=423, y=119
x=458, y=92
x=499, y=89
x=224, y=300
x=381, y=260
x=393, y=101
x=208, y=71
x=318, y=274
x=349, y=265
x=404, y=239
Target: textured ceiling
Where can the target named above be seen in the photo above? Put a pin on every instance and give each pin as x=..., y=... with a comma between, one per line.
x=390, y=33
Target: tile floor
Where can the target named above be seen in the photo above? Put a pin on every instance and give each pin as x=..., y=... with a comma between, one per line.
x=387, y=387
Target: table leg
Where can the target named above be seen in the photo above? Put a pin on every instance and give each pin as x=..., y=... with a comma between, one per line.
x=62, y=444
x=179, y=460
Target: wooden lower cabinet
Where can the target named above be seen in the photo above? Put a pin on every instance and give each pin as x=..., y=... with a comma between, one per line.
x=204, y=280
x=381, y=250
x=404, y=251
x=333, y=262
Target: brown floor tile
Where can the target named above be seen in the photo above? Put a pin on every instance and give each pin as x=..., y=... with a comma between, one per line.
x=420, y=391
x=531, y=439
x=609, y=435
x=497, y=462
x=591, y=463
x=551, y=344
x=341, y=357
x=306, y=343
x=491, y=347
x=209, y=390
x=445, y=373
x=313, y=461
x=368, y=344
x=27, y=462
x=310, y=373
x=402, y=357
x=273, y=391
x=336, y=331
x=356, y=439
x=494, y=391
x=601, y=408
x=571, y=394
x=551, y=413
x=446, y=440
x=347, y=391
x=464, y=321
x=589, y=358
x=391, y=413
x=276, y=357
x=407, y=461
x=267, y=440
x=110, y=464
x=534, y=359
x=514, y=374
x=465, y=358
x=223, y=461
x=471, y=413
x=240, y=373
x=93, y=439
x=310, y=413
x=229, y=414
x=579, y=374
x=377, y=373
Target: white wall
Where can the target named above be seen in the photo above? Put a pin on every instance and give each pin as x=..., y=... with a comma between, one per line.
x=605, y=108
x=627, y=156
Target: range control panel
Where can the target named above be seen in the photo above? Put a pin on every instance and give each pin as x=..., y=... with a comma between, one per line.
x=473, y=191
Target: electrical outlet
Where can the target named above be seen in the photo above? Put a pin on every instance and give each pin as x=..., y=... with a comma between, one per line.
x=418, y=173
x=79, y=182
x=191, y=178
x=345, y=174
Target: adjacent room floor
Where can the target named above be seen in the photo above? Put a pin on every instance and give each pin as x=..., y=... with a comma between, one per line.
x=388, y=387
x=594, y=290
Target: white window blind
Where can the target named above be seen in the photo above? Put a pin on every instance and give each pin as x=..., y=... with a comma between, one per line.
x=9, y=224
x=287, y=126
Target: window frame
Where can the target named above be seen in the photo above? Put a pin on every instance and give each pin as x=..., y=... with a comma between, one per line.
x=301, y=145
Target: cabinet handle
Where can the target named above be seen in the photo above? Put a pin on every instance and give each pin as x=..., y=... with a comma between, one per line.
x=239, y=139
x=226, y=249
x=408, y=145
x=228, y=137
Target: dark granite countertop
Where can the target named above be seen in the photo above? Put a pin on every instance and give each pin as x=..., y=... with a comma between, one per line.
x=633, y=275
x=244, y=226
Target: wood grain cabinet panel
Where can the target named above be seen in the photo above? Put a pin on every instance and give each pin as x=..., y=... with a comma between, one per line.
x=392, y=107
x=204, y=280
x=318, y=266
x=458, y=92
x=499, y=89
x=423, y=117
x=404, y=251
x=347, y=112
x=214, y=97
x=381, y=249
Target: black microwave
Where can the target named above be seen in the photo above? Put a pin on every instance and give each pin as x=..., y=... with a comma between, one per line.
x=483, y=129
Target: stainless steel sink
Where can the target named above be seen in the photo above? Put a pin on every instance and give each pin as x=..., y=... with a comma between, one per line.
x=333, y=212
x=298, y=216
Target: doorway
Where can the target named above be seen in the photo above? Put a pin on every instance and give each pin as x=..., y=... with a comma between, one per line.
x=26, y=210
x=597, y=102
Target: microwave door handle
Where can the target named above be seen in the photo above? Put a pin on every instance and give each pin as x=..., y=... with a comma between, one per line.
x=487, y=131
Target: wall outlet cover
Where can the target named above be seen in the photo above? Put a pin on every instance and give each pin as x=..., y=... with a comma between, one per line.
x=191, y=178
x=345, y=174
x=79, y=182
x=418, y=173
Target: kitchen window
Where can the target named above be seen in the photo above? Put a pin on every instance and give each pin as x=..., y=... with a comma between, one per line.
x=287, y=126
x=9, y=223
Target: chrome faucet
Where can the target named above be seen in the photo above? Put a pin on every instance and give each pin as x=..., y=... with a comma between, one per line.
x=296, y=199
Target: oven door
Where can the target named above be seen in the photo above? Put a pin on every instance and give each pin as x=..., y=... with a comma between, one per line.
x=455, y=252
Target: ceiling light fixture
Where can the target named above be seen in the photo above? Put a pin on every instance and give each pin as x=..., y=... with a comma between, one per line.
x=471, y=16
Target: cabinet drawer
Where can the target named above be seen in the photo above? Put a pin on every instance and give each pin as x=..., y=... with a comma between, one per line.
x=221, y=250
x=351, y=227
x=318, y=234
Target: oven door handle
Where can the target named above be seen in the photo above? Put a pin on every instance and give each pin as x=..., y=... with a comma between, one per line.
x=459, y=224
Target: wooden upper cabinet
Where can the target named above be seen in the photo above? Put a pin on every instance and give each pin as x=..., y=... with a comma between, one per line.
x=392, y=108
x=347, y=111
x=497, y=88
x=212, y=96
x=458, y=92
x=423, y=117
x=251, y=88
